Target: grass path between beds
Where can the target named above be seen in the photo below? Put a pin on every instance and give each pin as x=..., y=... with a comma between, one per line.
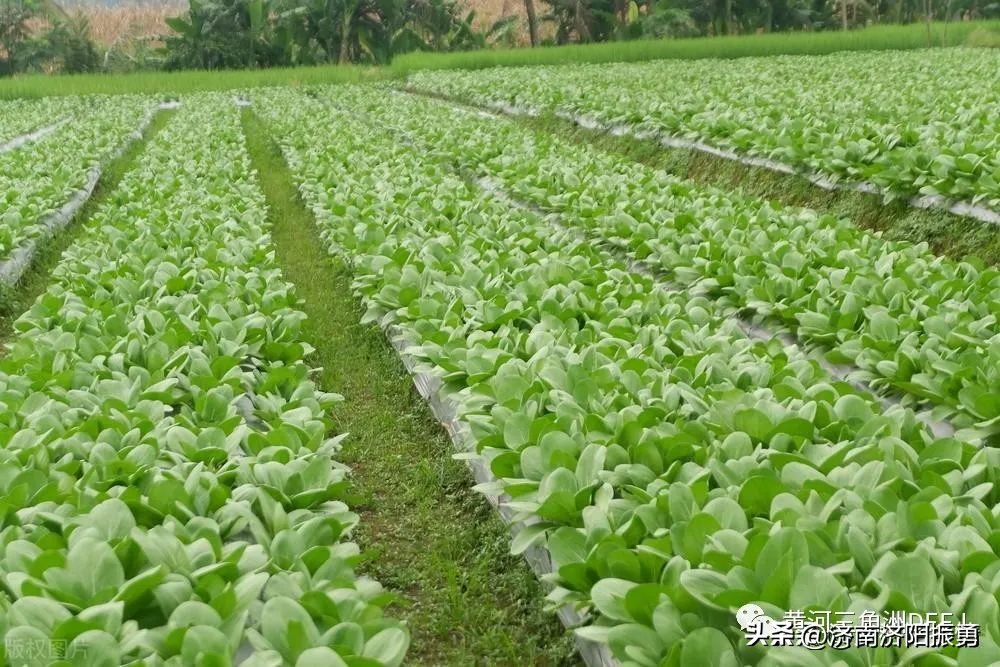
x=427, y=536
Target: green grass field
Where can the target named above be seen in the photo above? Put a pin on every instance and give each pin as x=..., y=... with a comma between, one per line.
x=875, y=38
x=167, y=83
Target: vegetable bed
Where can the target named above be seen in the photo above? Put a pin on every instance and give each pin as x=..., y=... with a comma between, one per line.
x=168, y=473
x=39, y=177
x=919, y=326
x=673, y=468
x=922, y=122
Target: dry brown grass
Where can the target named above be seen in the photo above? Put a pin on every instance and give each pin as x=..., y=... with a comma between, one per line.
x=488, y=12
x=116, y=24
x=122, y=23
x=113, y=24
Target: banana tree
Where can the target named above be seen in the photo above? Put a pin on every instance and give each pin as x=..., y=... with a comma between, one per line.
x=336, y=30
x=373, y=30
x=15, y=20
x=258, y=33
x=223, y=33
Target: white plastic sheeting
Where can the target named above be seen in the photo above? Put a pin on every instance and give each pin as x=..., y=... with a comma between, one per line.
x=960, y=208
x=41, y=132
x=429, y=387
x=843, y=372
x=13, y=268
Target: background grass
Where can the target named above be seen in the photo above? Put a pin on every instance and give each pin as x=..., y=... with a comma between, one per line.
x=893, y=37
x=188, y=81
x=875, y=38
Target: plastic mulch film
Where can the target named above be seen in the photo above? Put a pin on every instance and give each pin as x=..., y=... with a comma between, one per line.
x=17, y=142
x=429, y=387
x=960, y=208
x=843, y=372
x=12, y=268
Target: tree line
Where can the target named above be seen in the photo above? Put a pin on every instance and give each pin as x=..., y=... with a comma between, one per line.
x=266, y=33
x=599, y=20
x=63, y=44
x=38, y=35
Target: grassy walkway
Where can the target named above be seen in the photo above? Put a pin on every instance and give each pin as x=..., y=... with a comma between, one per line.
x=427, y=535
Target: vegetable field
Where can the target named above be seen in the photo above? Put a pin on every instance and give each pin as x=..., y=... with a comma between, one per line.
x=936, y=136
x=679, y=399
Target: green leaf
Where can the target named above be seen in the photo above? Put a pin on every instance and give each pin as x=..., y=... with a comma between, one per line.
x=94, y=648
x=641, y=602
x=682, y=503
x=912, y=582
x=728, y=513
x=20, y=643
x=705, y=586
x=757, y=493
x=107, y=616
x=527, y=537
x=567, y=545
x=785, y=554
x=754, y=423
x=37, y=612
x=320, y=656
x=883, y=326
x=201, y=641
x=517, y=430
x=192, y=612
x=112, y=520
x=707, y=647
x=609, y=598
x=816, y=589
x=388, y=647
x=281, y=618
x=142, y=583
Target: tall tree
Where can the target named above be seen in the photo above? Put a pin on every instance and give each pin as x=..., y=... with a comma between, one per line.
x=529, y=9
x=16, y=17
